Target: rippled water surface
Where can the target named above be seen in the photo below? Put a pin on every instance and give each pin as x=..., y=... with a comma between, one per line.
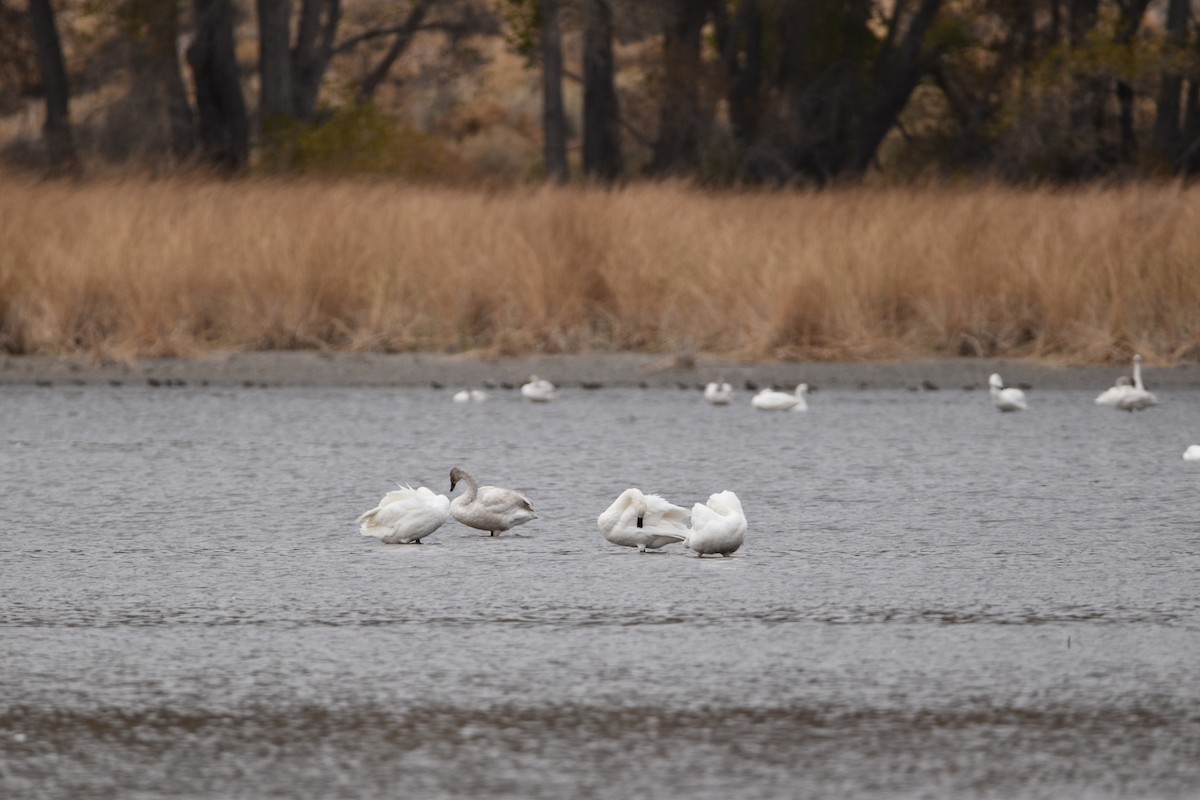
x=934, y=599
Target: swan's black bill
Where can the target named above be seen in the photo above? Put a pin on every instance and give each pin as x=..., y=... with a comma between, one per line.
x=639, y=522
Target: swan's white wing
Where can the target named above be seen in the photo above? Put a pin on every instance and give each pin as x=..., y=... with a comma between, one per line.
x=1112, y=395
x=495, y=500
x=413, y=514
x=661, y=514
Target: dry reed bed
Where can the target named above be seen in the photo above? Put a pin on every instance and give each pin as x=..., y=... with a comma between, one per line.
x=179, y=267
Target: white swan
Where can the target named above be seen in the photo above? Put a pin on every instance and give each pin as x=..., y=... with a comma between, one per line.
x=1192, y=453
x=718, y=526
x=1137, y=398
x=719, y=394
x=405, y=516
x=470, y=396
x=488, y=508
x=643, y=520
x=1010, y=399
x=1113, y=394
x=771, y=400
x=539, y=390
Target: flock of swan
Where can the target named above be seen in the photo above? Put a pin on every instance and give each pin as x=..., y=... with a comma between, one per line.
x=1127, y=394
x=645, y=521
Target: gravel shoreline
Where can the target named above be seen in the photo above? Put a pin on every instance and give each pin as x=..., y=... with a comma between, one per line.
x=312, y=368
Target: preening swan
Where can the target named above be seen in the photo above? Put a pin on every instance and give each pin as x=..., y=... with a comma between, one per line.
x=718, y=526
x=539, y=390
x=405, y=516
x=1192, y=453
x=1010, y=399
x=719, y=394
x=470, y=396
x=1113, y=394
x=771, y=400
x=1138, y=397
x=488, y=508
x=643, y=520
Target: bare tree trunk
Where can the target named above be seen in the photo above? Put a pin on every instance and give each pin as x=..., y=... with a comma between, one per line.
x=680, y=121
x=224, y=129
x=400, y=43
x=310, y=56
x=274, y=58
x=1167, y=136
x=903, y=67
x=157, y=80
x=601, y=115
x=745, y=75
x=60, y=144
x=554, y=122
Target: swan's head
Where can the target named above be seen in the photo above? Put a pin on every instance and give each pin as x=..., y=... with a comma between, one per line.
x=636, y=501
x=802, y=390
x=995, y=381
x=456, y=475
x=1137, y=359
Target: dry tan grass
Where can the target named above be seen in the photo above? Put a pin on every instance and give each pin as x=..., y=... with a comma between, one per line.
x=140, y=267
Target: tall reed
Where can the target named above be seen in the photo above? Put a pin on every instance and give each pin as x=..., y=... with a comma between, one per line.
x=184, y=266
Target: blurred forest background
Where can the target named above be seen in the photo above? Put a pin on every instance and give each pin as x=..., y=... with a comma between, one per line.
x=720, y=92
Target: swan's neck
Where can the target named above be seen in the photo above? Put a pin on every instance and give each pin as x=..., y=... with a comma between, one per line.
x=1137, y=375
x=472, y=487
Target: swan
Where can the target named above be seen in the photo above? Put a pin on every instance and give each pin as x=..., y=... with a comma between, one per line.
x=1192, y=453
x=1010, y=399
x=488, y=508
x=1113, y=394
x=718, y=526
x=470, y=396
x=771, y=400
x=719, y=394
x=643, y=520
x=1137, y=398
x=539, y=390
x=405, y=516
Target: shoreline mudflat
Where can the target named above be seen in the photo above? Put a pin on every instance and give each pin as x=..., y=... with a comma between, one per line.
x=314, y=368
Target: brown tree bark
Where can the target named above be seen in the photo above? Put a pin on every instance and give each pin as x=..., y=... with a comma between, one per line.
x=680, y=121
x=224, y=128
x=601, y=113
x=554, y=122
x=56, y=89
x=158, y=77
x=274, y=58
x=315, y=35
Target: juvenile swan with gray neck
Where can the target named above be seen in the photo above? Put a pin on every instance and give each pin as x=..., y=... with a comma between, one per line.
x=488, y=508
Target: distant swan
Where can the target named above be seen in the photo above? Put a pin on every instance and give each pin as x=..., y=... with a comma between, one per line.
x=1010, y=399
x=771, y=400
x=539, y=390
x=1113, y=394
x=405, y=516
x=470, y=396
x=1192, y=453
x=643, y=520
x=1137, y=398
x=719, y=394
x=488, y=508
x=719, y=526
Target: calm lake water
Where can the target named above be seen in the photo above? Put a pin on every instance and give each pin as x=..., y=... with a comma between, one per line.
x=934, y=599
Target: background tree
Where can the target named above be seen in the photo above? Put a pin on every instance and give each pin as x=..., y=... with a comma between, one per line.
x=56, y=90
x=601, y=112
x=224, y=127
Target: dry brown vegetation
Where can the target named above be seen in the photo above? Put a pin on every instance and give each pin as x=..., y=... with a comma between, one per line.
x=161, y=267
